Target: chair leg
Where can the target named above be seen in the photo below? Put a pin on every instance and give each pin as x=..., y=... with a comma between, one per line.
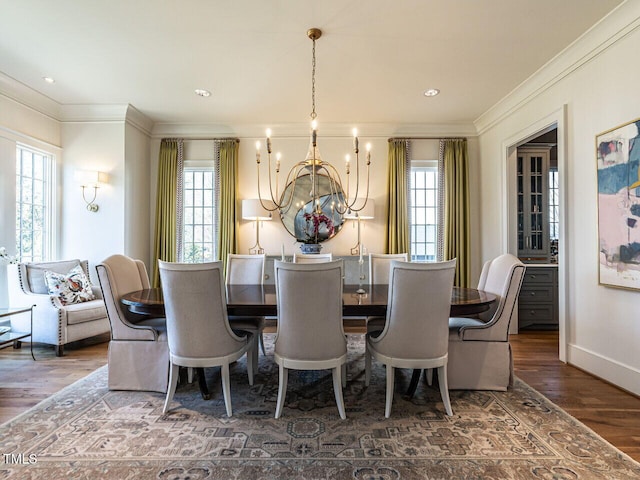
x=444, y=389
x=226, y=390
x=59, y=350
x=337, y=389
x=189, y=374
x=173, y=382
x=429, y=374
x=413, y=384
x=262, y=344
x=390, y=388
x=344, y=375
x=367, y=367
x=254, y=357
x=253, y=350
x=283, y=377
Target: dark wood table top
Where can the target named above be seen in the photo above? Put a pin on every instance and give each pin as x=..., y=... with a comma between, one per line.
x=260, y=300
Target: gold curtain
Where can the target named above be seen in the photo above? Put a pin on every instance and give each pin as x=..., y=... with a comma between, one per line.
x=397, y=228
x=456, y=209
x=227, y=169
x=165, y=244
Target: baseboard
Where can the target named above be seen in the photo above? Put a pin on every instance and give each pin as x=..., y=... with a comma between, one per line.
x=612, y=371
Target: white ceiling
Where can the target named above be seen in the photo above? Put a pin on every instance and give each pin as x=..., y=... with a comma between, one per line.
x=374, y=60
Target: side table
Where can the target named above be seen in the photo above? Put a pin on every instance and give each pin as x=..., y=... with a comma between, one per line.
x=15, y=337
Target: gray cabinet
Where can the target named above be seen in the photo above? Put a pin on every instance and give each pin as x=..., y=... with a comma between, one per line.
x=538, y=300
x=533, y=204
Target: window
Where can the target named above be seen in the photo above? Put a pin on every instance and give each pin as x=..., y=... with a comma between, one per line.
x=423, y=214
x=34, y=204
x=198, y=239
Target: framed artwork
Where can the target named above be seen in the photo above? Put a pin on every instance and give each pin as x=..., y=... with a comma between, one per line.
x=618, y=155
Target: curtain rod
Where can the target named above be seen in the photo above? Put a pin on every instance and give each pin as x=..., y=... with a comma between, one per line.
x=203, y=138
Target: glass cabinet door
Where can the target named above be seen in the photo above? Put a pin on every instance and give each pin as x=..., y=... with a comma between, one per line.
x=533, y=228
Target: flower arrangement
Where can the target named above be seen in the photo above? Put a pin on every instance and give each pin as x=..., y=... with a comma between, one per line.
x=314, y=222
x=6, y=257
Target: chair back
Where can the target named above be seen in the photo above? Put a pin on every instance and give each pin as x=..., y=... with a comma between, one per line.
x=417, y=324
x=312, y=257
x=196, y=310
x=245, y=269
x=379, y=266
x=309, y=300
x=119, y=275
x=503, y=277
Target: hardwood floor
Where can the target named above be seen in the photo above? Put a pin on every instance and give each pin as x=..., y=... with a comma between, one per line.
x=609, y=411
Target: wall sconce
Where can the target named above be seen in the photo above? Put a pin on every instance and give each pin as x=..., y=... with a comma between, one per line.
x=252, y=210
x=365, y=214
x=89, y=179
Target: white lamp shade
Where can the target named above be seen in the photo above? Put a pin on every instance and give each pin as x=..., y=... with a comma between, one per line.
x=90, y=178
x=365, y=214
x=252, y=209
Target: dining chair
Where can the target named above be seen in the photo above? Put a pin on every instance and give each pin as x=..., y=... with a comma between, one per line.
x=379, y=266
x=310, y=335
x=247, y=270
x=480, y=355
x=312, y=257
x=198, y=331
x=416, y=330
x=138, y=355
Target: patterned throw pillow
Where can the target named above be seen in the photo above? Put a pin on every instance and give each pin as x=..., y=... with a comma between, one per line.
x=74, y=287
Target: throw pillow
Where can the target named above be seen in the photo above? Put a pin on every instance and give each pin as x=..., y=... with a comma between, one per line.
x=74, y=287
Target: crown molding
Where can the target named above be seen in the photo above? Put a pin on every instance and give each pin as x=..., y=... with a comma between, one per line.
x=28, y=97
x=294, y=130
x=93, y=113
x=139, y=120
x=618, y=24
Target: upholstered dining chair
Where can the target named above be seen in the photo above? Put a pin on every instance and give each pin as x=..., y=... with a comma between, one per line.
x=479, y=350
x=247, y=270
x=416, y=330
x=379, y=266
x=198, y=331
x=138, y=352
x=310, y=334
x=312, y=257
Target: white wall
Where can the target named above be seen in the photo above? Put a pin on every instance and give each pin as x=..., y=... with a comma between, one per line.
x=602, y=327
x=93, y=235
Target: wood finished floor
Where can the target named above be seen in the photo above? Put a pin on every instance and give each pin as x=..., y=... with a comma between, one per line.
x=609, y=411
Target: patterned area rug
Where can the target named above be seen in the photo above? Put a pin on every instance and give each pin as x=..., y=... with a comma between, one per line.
x=88, y=432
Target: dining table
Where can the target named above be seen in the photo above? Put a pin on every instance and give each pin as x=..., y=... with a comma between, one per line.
x=357, y=301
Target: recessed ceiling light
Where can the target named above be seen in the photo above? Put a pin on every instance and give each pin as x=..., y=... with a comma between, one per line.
x=202, y=92
x=431, y=92
x=48, y=79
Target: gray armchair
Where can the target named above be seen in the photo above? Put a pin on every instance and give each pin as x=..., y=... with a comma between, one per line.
x=138, y=351
x=310, y=334
x=479, y=351
x=416, y=329
x=53, y=322
x=198, y=329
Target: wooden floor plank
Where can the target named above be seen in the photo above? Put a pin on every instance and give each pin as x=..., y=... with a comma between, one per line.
x=611, y=412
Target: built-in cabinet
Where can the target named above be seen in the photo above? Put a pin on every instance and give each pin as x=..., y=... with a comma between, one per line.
x=533, y=204
x=538, y=301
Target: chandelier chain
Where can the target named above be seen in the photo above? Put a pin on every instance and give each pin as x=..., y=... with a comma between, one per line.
x=313, y=81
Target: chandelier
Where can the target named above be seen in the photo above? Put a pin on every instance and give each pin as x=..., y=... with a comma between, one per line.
x=325, y=195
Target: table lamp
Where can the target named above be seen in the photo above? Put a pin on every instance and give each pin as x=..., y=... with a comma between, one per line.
x=253, y=210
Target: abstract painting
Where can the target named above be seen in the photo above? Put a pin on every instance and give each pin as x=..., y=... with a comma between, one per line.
x=618, y=155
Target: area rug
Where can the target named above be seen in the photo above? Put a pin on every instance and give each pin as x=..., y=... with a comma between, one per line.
x=88, y=432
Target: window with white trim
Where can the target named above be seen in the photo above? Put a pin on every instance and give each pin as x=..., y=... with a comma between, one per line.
x=423, y=214
x=35, y=204
x=198, y=237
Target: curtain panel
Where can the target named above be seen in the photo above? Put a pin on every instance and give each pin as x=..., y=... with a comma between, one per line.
x=226, y=172
x=397, y=212
x=168, y=200
x=456, y=208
